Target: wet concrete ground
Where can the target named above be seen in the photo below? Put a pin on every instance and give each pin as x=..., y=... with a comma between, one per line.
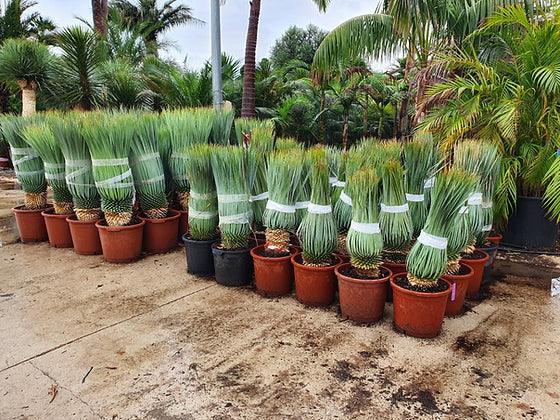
x=80, y=338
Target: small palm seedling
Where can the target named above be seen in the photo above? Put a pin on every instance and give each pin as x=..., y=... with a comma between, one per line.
x=244, y=128
x=147, y=168
x=427, y=260
x=41, y=138
x=283, y=178
x=221, y=127
x=203, y=202
x=186, y=128
x=228, y=167
x=317, y=232
x=364, y=240
x=395, y=219
x=418, y=155
x=28, y=165
x=261, y=144
x=26, y=62
x=68, y=130
x=109, y=137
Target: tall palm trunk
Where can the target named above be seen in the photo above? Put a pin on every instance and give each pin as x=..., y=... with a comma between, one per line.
x=100, y=12
x=248, y=100
x=28, y=97
x=403, y=113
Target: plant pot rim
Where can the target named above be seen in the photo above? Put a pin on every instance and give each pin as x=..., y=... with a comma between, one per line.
x=480, y=260
x=459, y=276
x=364, y=282
x=49, y=213
x=496, y=235
x=313, y=268
x=427, y=295
x=256, y=256
x=72, y=218
x=100, y=225
x=185, y=237
x=20, y=209
x=155, y=221
x=231, y=251
x=527, y=197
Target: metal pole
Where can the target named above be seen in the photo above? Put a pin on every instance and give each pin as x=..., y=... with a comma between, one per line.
x=216, y=53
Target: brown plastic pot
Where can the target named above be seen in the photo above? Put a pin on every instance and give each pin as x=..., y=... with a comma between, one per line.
x=273, y=276
x=121, y=244
x=160, y=235
x=85, y=236
x=315, y=286
x=362, y=300
x=183, y=224
x=395, y=268
x=496, y=238
x=57, y=229
x=478, y=271
x=418, y=314
x=459, y=285
x=31, y=224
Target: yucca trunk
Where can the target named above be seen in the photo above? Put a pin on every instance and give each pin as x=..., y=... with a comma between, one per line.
x=248, y=100
x=28, y=97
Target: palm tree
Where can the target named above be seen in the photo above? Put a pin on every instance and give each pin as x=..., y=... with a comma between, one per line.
x=152, y=20
x=418, y=28
x=100, y=12
x=248, y=100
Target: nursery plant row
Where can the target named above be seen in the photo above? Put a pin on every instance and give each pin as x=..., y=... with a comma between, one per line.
x=382, y=221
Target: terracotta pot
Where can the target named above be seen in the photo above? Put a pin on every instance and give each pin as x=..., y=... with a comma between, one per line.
x=183, y=224
x=273, y=276
x=362, y=300
x=395, y=268
x=418, y=314
x=160, y=235
x=121, y=244
x=85, y=236
x=496, y=238
x=476, y=279
x=459, y=285
x=315, y=286
x=31, y=224
x=57, y=229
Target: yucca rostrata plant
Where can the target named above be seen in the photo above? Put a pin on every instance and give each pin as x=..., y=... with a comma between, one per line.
x=458, y=239
x=340, y=181
x=364, y=240
x=303, y=190
x=221, y=127
x=165, y=151
x=244, y=127
x=489, y=171
x=147, y=167
x=109, y=137
x=418, y=156
x=28, y=165
x=283, y=178
x=234, y=208
x=203, y=202
x=334, y=159
x=186, y=127
x=286, y=143
x=355, y=160
x=68, y=130
x=317, y=232
x=395, y=219
x=257, y=150
x=41, y=138
x=427, y=260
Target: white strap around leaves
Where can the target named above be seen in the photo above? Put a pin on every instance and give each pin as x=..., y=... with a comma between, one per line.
x=432, y=241
x=415, y=198
x=319, y=208
x=367, y=228
x=302, y=205
x=235, y=219
x=195, y=214
x=345, y=198
x=403, y=208
x=282, y=208
x=475, y=199
x=202, y=196
x=260, y=197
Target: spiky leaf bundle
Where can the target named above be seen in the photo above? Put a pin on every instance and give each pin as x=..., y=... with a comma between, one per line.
x=245, y=126
x=395, y=220
x=364, y=240
x=221, y=127
x=165, y=151
x=147, y=167
x=303, y=190
x=203, y=201
x=28, y=165
x=228, y=167
x=458, y=238
x=418, y=155
x=286, y=143
x=79, y=172
x=427, y=260
x=317, y=232
x=340, y=181
x=489, y=171
x=355, y=160
x=41, y=138
x=109, y=137
x=260, y=145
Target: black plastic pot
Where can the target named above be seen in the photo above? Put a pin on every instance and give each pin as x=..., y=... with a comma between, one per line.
x=528, y=226
x=233, y=268
x=199, y=256
x=491, y=250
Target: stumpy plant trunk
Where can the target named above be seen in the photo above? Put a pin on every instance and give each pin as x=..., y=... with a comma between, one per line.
x=248, y=100
x=28, y=97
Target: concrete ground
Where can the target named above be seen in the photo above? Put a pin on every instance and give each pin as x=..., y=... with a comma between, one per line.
x=81, y=338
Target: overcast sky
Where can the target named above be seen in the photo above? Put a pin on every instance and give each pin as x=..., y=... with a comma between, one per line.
x=193, y=42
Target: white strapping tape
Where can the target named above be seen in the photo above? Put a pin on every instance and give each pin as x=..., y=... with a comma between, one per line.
x=195, y=214
x=367, y=228
x=463, y=210
x=487, y=204
x=345, y=198
x=202, y=196
x=341, y=184
x=415, y=198
x=235, y=219
x=282, y=208
x=403, y=208
x=475, y=199
x=301, y=205
x=319, y=208
x=232, y=198
x=429, y=183
x=116, y=181
x=259, y=197
x=432, y=241
x=109, y=162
